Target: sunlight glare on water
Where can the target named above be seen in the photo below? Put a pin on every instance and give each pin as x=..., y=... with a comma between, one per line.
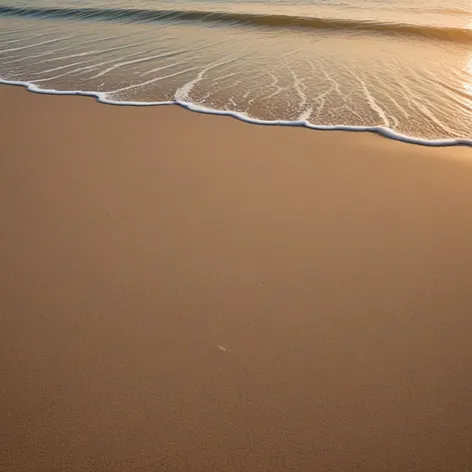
x=403, y=65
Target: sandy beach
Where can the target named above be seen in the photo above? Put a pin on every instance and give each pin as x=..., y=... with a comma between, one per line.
x=191, y=293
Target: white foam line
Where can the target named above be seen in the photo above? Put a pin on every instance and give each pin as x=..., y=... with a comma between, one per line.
x=53, y=51
x=462, y=101
x=151, y=81
x=175, y=74
x=431, y=116
x=101, y=97
x=22, y=32
x=202, y=99
x=406, y=95
x=12, y=32
x=93, y=51
x=321, y=98
x=183, y=51
x=372, y=102
x=81, y=70
x=110, y=61
x=217, y=79
x=17, y=40
x=325, y=73
x=65, y=67
x=61, y=58
x=274, y=83
x=157, y=69
x=297, y=85
x=306, y=114
x=182, y=93
x=231, y=85
x=402, y=110
x=38, y=44
x=34, y=56
x=136, y=61
x=279, y=90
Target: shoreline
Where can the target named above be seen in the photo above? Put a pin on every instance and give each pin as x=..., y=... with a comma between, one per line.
x=388, y=133
x=184, y=292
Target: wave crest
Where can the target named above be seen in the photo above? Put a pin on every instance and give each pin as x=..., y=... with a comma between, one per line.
x=333, y=24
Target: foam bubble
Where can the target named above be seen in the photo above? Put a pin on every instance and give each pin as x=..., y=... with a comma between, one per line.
x=101, y=97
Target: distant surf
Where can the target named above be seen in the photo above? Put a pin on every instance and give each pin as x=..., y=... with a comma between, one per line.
x=150, y=15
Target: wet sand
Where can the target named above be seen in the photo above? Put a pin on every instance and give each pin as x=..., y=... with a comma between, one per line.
x=185, y=292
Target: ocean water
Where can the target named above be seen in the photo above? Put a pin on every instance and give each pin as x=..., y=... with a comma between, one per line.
x=402, y=67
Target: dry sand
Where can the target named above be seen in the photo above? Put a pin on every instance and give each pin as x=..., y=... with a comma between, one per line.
x=182, y=292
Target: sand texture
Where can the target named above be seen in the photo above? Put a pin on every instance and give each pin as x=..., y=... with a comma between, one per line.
x=190, y=293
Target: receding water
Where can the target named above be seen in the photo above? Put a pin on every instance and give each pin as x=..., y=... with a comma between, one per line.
x=401, y=65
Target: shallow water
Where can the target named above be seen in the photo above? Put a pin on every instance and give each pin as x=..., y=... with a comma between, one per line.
x=404, y=66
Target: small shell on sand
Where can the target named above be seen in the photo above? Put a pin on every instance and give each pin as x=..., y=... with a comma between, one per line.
x=221, y=348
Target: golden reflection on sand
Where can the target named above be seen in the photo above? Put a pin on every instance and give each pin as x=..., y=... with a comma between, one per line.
x=468, y=71
x=468, y=68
